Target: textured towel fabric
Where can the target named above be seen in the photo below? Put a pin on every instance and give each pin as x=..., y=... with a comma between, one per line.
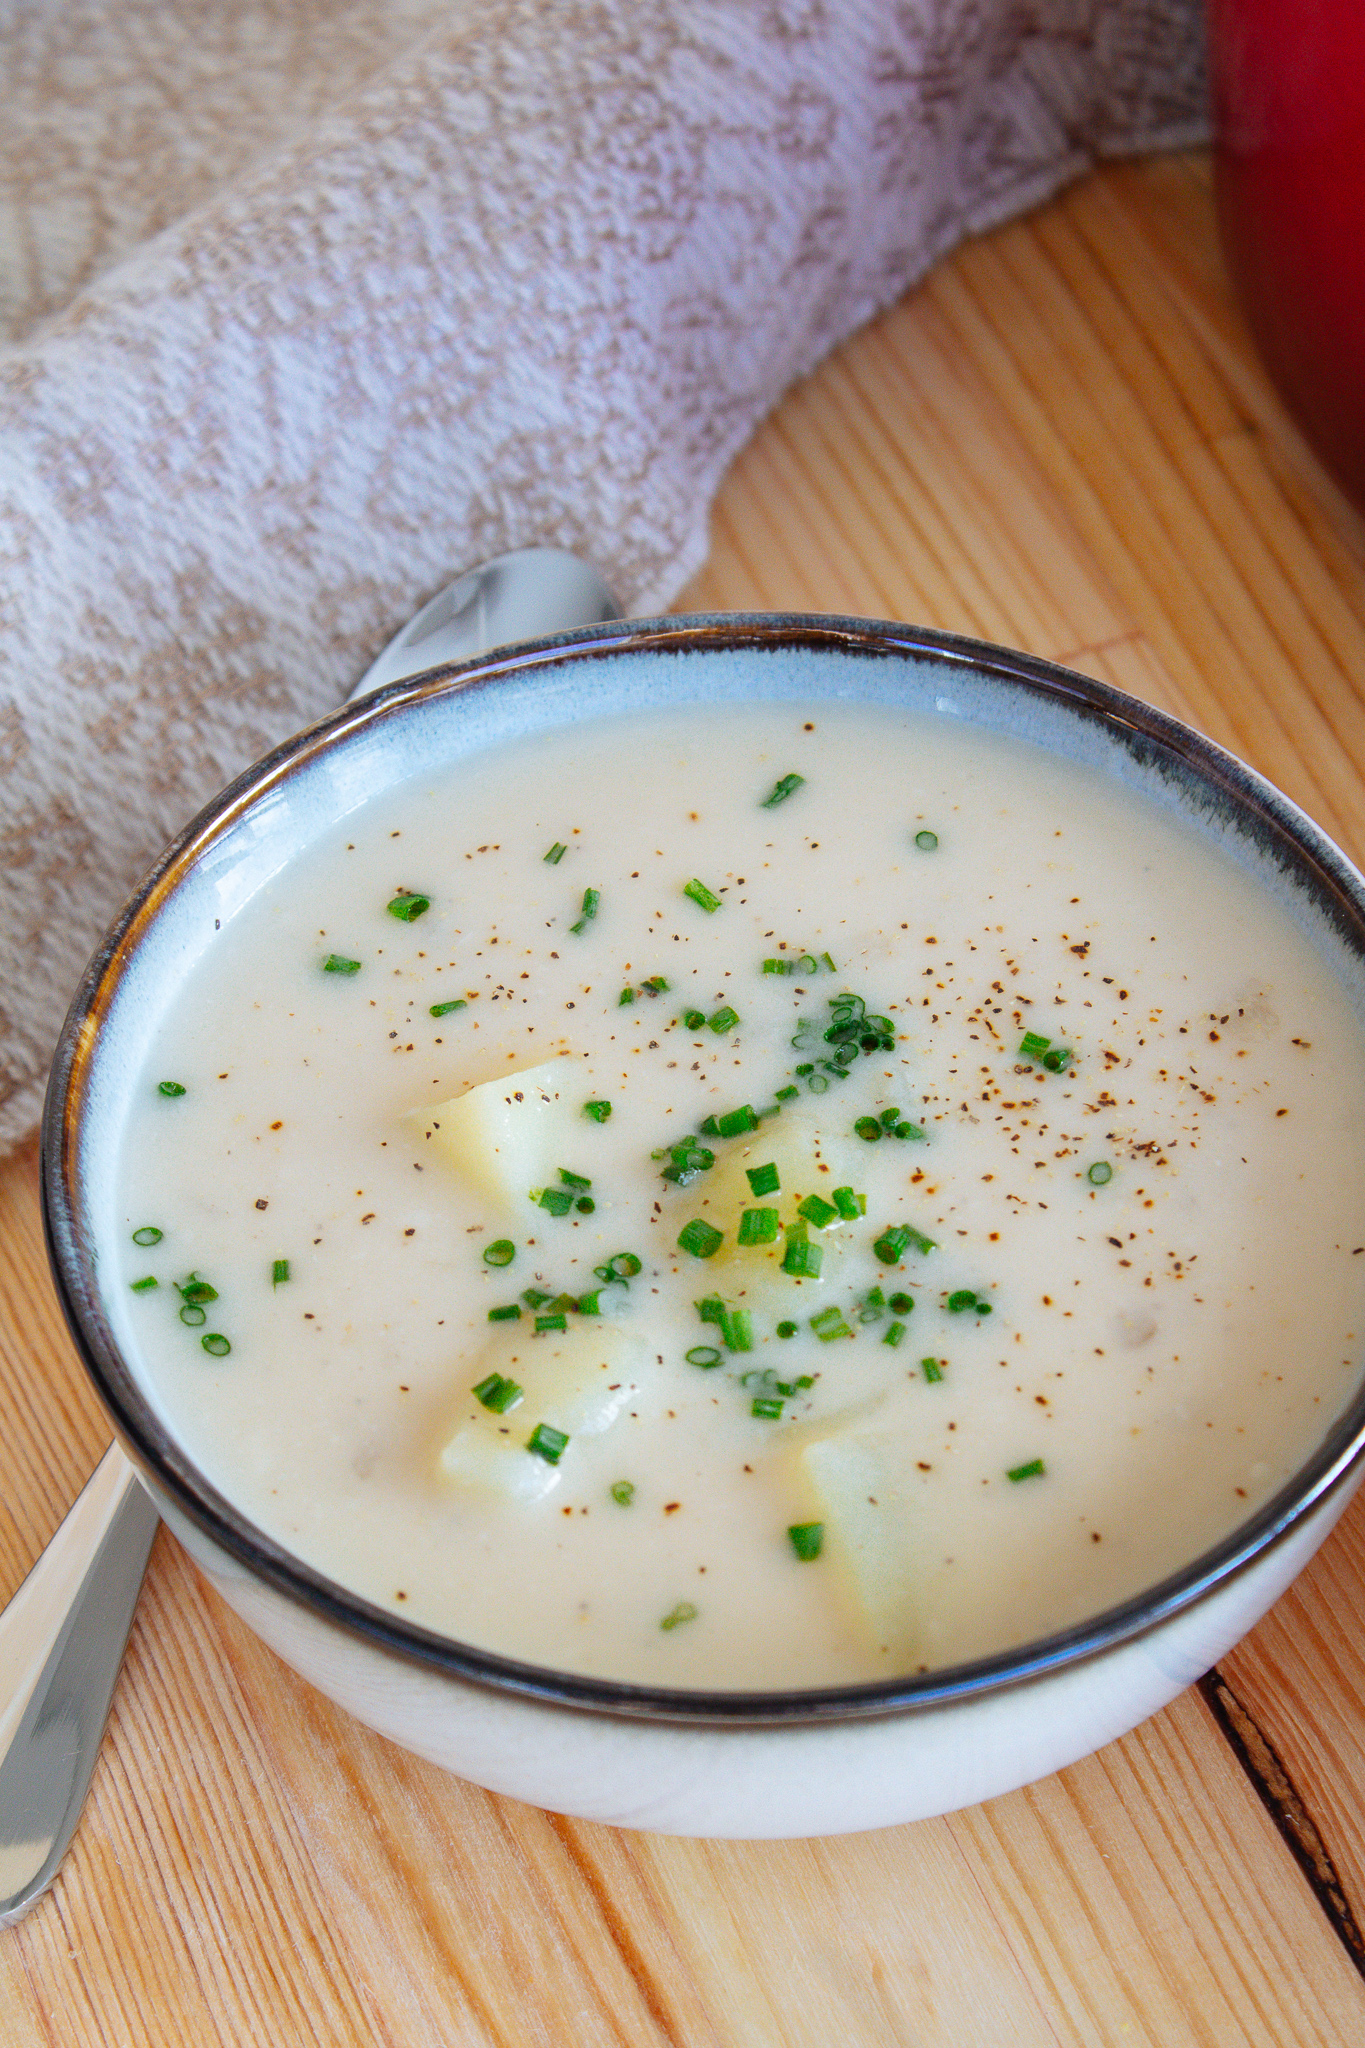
x=313, y=305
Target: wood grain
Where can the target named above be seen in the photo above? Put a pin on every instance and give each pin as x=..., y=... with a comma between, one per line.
x=1062, y=441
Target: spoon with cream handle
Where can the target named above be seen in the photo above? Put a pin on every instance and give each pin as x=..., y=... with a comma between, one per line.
x=63, y=1634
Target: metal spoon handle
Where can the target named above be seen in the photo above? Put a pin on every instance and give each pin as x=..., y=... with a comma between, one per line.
x=62, y=1639
x=63, y=1634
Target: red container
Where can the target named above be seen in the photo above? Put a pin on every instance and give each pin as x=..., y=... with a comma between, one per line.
x=1289, y=120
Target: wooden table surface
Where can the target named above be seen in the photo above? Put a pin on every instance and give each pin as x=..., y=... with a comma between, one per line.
x=1061, y=441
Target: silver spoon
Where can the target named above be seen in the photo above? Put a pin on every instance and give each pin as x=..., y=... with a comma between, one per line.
x=63, y=1635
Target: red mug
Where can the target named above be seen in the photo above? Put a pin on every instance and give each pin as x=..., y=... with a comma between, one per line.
x=1288, y=81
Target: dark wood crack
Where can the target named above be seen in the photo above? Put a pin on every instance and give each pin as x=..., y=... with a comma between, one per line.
x=1284, y=1803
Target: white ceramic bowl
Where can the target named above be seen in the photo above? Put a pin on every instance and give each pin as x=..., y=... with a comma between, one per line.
x=744, y=1764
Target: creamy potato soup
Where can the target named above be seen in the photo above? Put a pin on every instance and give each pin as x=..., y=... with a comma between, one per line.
x=751, y=1197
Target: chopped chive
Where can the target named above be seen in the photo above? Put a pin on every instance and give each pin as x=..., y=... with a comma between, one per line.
x=704, y=1355
x=497, y=1393
x=279, y=1272
x=622, y=1492
x=193, y=1318
x=447, y=1009
x=709, y=1128
x=786, y=1329
x=562, y=1302
x=786, y=1094
x=868, y=1127
x=501, y=1252
x=585, y=1205
x=141, y=1286
x=901, y=1304
x=196, y=1291
x=894, y=1334
x=712, y=1310
x=829, y=963
x=622, y=1266
x=700, y=1238
x=598, y=1111
x=723, y=1020
x=590, y=1304
x=684, y=1611
x=1034, y=1469
x=533, y=1297
x=547, y=1443
x=889, y=1119
x=763, y=1180
x=335, y=963
x=1033, y=1045
x=962, y=1298
x=627, y=995
x=701, y=895
x=694, y=1019
x=510, y=1314
x=556, y=1201
x=830, y=1324
x=904, y=1130
x=806, y=1539
x=802, y=1258
x=777, y=967
x=147, y=1234
x=407, y=905
x=735, y=1122
x=933, y=1369
x=818, y=1211
x=1058, y=1059
x=216, y=1344
x=850, y=1204
x=556, y=854
x=656, y=985
x=738, y=1330
x=573, y=1180
x=767, y=1407
x=782, y=789
x=687, y=1162
x=807, y=964
x=174, y=1088
x=892, y=1245
x=551, y=1322
x=758, y=1226
x=591, y=899
x=1099, y=1175
x=874, y=1306
x=927, y=842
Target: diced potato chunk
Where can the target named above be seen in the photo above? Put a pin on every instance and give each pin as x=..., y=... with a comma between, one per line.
x=509, y=1136
x=751, y=1275
x=860, y=1481
x=578, y=1382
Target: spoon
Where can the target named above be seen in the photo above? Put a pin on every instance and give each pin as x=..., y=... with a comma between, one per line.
x=63, y=1635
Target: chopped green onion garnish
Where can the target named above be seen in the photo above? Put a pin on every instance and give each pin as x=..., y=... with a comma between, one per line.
x=801, y=1258
x=807, y=964
x=590, y=1304
x=407, y=905
x=700, y=894
x=694, y=1019
x=907, y=1131
x=216, y=1344
x=684, y=1611
x=704, y=1355
x=901, y=1304
x=627, y=995
x=174, y=1088
x=598, y=1111
x=777, y=966
x=1034, y=1469
x=712, y=1310
x=141, y=1286
x=830, y=1324
x=585, y=1205
x=735, y=1122
x=147, y=1234
x=849, y=1204
x=894, y=1334
x=1100, y=1174
x=196, y=1291
x=806, y=1538
x=687, y=1161
x=551, y=1322
x=547, y=1443
x=786, y=1094
x=892, y=1245
x=786, y=1329
x=563, y=1303
x=556, y=854
x=738, y=1329
x=510, y=1314
x=869, y=1128
x=1057, y=1060
x=533, y=1297
x=501, y=1252
x=623, y=1492
x=782, y=790
x=622, y=1266
x=758, y=1226
x=700, y=1238
x=1033, y=1045
x=279, y=1272
x=927, y=842
x=933, y=1370
x=497, y=1393
x=890, y=1118
x=193, y=1318
x=573, y=1180
x=447, y=1009
x=335, y=963
x=962, y=1298
x=591, y=899
x=874, y=1306
x=818, y=1211
x=829, y=963
x=763, y=1180
x=723, y=1020
x=767, y=1407
x=558, y=1201
x=656, y=985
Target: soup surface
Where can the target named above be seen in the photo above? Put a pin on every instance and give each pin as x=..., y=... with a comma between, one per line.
x=749, y=1197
